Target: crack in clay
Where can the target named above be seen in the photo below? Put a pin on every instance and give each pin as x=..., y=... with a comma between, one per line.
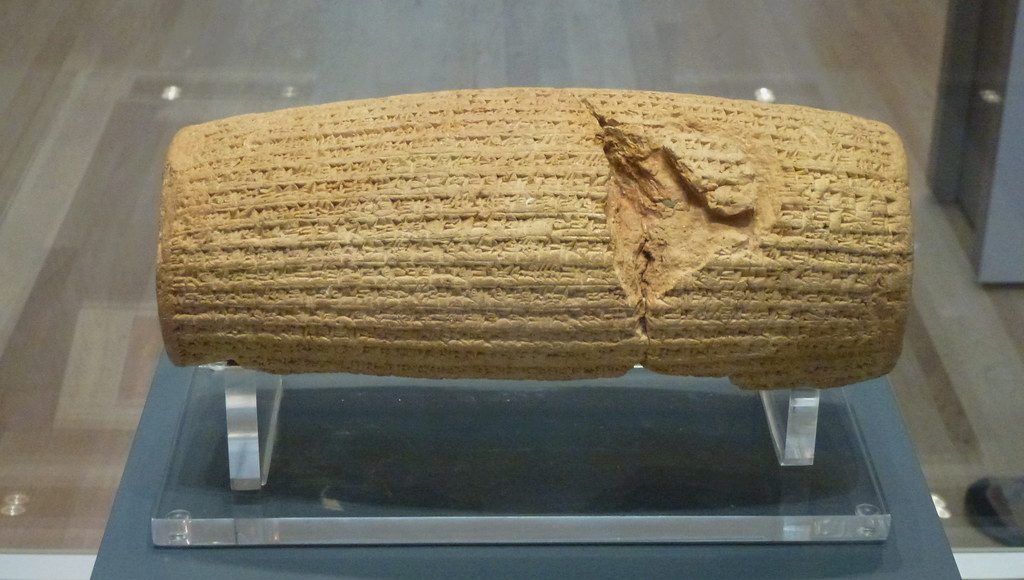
x=648, y=259
x=678, y=195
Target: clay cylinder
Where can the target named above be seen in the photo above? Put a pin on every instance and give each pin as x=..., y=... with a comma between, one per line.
x=539, y=234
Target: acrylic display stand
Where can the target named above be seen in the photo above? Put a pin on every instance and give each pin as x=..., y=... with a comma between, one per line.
x=252, y=401
x=385, y=460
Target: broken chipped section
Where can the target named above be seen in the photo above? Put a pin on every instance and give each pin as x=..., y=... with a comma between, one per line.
x=679, y=195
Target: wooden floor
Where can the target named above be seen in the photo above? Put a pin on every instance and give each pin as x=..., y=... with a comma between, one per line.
x=91, y=93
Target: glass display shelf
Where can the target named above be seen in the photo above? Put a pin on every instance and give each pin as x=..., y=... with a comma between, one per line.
x=384, y=460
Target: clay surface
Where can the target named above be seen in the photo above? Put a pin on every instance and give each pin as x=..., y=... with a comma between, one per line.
x=539, y=233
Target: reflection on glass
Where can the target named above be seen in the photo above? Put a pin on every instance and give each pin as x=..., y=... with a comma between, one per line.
x=170, y=92
x=764, y=95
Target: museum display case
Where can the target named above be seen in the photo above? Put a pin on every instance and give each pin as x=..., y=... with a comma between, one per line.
x=619, y=473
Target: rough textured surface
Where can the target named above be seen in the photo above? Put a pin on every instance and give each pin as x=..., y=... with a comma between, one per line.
x=539, y=233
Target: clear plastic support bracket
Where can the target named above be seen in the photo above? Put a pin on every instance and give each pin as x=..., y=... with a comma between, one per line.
x=252, y=400
x=792, y=416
